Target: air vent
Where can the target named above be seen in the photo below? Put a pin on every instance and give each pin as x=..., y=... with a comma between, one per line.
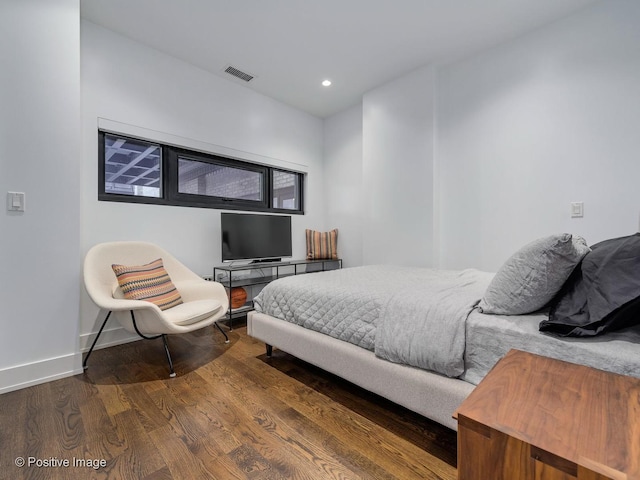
x=238, y=73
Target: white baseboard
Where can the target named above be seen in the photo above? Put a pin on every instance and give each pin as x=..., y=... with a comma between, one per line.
x=43, y=371
x=22, y=376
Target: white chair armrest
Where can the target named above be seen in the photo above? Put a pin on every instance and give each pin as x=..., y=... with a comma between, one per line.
x=122, y=304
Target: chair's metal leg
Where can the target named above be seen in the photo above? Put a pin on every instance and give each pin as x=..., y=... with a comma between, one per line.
x=135, y=326
x=226, y=339
x=84, y=362
x=172, y=372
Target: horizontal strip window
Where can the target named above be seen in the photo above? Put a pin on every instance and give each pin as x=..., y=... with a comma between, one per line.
x=140, y=171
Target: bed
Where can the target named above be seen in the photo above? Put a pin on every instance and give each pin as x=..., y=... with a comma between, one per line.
x=424, y=338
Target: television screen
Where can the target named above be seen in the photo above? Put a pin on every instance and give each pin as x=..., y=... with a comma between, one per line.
x=256, y=237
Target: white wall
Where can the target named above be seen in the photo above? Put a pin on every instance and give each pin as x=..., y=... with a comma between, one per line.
x=136, y=88
x=343, y=196
x=462, y=164
x=398, y=170
x=528, y=127
x=39, y=152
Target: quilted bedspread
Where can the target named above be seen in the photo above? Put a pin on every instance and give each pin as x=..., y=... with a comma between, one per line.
x=414, y=316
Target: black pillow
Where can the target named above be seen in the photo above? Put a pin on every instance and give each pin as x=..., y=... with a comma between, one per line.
x=602, y=294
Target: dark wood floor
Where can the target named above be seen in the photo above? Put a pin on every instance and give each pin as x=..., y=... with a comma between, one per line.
x=230, y=413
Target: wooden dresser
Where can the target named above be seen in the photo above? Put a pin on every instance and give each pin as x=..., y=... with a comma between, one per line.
x=535, y=418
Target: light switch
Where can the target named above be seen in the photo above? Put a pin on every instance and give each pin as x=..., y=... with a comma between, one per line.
x=577, y=209
x=15, y=201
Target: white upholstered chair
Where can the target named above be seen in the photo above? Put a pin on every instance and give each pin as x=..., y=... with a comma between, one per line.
x=204, y=302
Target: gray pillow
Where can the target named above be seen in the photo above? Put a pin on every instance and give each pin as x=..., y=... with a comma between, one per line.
x=533, y=275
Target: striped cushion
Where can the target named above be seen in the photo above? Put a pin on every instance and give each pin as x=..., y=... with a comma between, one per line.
x=321, y=245
x=149, y=282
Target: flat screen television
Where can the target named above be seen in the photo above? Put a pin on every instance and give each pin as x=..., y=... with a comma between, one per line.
x=255, y=237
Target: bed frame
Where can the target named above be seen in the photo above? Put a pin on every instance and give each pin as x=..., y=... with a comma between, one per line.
x=430, y=394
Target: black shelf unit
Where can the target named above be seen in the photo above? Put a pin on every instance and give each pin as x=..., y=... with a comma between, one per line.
x=262, y=273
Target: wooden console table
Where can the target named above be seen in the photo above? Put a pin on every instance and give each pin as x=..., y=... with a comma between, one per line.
x=535, y=418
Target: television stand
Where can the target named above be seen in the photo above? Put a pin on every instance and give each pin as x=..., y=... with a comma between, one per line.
x=252, y=277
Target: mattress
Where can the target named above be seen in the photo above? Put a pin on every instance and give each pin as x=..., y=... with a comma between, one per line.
x=490, y=337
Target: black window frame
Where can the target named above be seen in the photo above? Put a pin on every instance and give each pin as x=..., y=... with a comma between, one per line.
x=169, y=180
x=121, y=197
x=271, y=188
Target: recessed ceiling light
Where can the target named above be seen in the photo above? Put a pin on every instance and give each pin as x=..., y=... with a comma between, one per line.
x=326, y=83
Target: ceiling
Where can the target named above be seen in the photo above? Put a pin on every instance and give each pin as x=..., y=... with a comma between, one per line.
x=290, y=46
